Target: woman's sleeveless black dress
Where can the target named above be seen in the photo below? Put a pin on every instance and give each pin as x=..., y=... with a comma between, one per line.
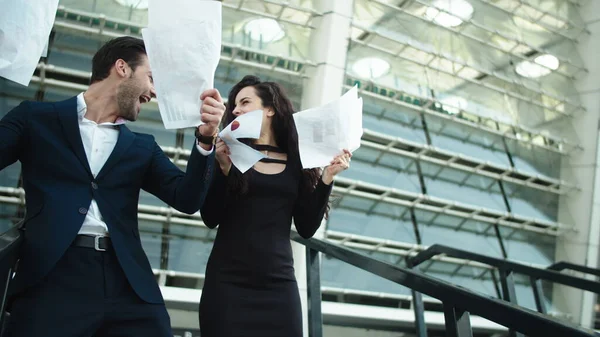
x=250, y=288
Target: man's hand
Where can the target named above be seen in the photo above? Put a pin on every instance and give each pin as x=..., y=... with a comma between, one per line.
x=211, y=113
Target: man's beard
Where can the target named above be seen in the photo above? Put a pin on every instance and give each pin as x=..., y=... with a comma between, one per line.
x=127, y=97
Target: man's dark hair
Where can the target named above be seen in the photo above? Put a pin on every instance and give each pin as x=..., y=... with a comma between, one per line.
x=127, y=48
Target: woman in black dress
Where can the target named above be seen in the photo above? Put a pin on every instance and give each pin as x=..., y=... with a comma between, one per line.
x=250, y=288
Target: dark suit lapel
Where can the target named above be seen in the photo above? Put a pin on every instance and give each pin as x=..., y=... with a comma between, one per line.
x=67, y=113
x=126, y=138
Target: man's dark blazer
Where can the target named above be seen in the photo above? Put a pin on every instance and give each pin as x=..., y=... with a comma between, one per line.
x=59, y=187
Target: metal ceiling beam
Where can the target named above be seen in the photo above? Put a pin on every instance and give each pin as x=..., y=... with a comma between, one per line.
x=312, y=13
x=545, y=13
x=382, y=143
x=168, y=215
x=434, y=155
x=451, y=208
x=515, y=132
x=233, y=53
x=233, y=58
x=460, y=30
x=464, y=65
x=374, y=192
x=486, y=85
x=419, y=201
x=229, y=52
x=372, y=244
x=443, y=158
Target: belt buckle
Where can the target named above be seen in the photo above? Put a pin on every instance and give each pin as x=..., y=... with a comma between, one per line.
x=97, y=243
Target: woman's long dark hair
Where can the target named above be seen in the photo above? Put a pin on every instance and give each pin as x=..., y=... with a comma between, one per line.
x=286, y=136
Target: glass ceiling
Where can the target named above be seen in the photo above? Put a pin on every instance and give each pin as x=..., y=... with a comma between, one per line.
x=509, y=59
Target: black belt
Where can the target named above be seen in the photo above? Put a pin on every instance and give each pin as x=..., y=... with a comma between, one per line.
x=99, y=243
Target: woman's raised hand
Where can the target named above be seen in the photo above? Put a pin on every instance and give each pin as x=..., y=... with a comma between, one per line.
x=338, y=164
x=222, y=155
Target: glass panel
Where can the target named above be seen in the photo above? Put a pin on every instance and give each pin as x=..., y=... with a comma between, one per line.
x=389, y=176
x=468, y=142
x=338, y=274
x=484, y=287
x=534, y=161
x=190, y=248
x=463, y=187
x=457, y=233
x=529, y=247
x=372, y=225
x=532, y=203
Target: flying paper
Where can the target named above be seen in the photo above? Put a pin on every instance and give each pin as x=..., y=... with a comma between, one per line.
x=24, y=30
x=324, y=132
x=183, y=57
x=247, y=125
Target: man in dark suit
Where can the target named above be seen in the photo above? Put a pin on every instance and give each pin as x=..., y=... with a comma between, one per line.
x=83, y=271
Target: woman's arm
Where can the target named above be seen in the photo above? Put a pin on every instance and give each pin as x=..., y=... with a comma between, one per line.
x=214, y=205
x=310, y=209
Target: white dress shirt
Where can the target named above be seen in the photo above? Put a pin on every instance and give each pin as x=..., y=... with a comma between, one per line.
x=99, y=141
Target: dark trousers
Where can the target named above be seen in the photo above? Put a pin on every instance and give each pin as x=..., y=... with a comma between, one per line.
x=85, y=295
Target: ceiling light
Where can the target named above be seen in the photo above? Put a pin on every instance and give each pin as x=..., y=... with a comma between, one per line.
x=265, y=30
x=541, y=66
x=137, y=4
x=449, y=13
x=371, y=67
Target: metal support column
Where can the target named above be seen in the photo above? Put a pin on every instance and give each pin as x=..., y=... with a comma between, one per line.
x=313, y=280
x=458, y=323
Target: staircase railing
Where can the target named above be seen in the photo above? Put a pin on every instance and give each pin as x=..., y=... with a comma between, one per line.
x=459, y=303
x=562, y=265
x=507, y=269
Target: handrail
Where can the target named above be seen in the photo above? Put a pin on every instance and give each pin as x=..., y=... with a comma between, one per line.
x=502, y=264
x=562, y=265
x=506, y=269
x=458, y=301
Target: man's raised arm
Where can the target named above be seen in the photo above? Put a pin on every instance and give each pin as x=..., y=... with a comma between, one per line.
x=12, y=134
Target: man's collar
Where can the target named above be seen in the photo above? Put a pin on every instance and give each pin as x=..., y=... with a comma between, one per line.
x=82, y=109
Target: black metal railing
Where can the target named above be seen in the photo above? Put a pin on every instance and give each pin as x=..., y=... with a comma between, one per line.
x=506, y=270
x=458, y=302
x=562, y=265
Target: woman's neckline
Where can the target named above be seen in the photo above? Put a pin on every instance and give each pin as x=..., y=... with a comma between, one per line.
x=265, y=147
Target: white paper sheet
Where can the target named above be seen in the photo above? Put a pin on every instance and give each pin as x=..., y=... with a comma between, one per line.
x=45, y=50
x=247, y=125
x=324, y=132
x=355, y=130
x=24, y=30
x=183, y=57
